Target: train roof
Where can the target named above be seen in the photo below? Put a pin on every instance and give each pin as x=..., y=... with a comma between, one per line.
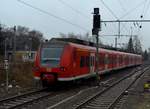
x=80, y=44
x=101, y=49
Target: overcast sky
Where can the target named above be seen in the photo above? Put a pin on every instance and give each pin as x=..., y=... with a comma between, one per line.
x=78, y=12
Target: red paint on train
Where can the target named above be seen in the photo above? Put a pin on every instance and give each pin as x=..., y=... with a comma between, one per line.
x=66, y=61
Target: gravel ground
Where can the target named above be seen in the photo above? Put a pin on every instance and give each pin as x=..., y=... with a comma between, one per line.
x=78, y=96
x=66, y=94
x=138, y=98
x=13, y=91
x=18, y=90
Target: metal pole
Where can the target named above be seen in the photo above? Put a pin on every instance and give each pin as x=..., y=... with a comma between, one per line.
x=116, y=43
x=7, y=79
x=14, y=48
x=118, y=29
x=0, y=29
x=95, y=32
x=5, y=48
x=6, y=65
x=97, y=58
x=30, y=47
x=131, y=31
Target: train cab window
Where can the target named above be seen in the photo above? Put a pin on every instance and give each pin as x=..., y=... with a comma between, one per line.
x=51, y=56
x=82, y=61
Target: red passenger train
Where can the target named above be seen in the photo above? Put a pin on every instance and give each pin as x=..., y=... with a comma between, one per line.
x=59, y=61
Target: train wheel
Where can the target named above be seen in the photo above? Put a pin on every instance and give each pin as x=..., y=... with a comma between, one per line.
x=44, y=83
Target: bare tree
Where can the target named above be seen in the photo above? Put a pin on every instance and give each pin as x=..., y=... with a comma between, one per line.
x=35, y=38
x=145, y=55
x=137, y=45
x=21, y=30
x=62, y=35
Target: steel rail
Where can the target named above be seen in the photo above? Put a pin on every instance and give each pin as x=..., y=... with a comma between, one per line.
x=121, y=95
x=107, y=89
x=20, y=100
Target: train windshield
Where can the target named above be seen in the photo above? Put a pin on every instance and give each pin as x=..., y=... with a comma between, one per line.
x=51, y=56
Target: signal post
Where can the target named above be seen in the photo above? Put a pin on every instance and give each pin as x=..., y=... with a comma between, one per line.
x=95, y=33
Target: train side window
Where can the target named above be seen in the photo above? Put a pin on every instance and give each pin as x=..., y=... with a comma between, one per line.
x=109, y=59
x=93, y=60
x=90, y=61
x=102, y=59
x=87, y=61
x=112, y=59
x=106, y=61
x=82, y=61
x=119, y=59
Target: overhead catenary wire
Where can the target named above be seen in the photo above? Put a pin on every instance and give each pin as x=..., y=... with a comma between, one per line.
x=144, y=7
x=72, y=8
x=146, y=10
x=52, y=15
x=110, y=10
x=114, y=15
x=121, y=5
x=142, y=16
x=123, y=8
x=132, y=10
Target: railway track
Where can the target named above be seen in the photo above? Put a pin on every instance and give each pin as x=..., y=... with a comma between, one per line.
x=24, y=99
x=111, y=93
x=110, y=96
x=30, y=98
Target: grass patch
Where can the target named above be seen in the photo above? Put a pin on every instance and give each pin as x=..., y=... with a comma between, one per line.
x=145, y=102
x=19, y=74
x=22, y=74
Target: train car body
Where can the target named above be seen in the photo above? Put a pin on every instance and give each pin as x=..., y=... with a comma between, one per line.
x=66, y=61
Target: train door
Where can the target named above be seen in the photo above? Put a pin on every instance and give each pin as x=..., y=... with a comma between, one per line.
x=106, y=61
x=117, y=61
x=82, y=60
x=92, y=62
x=101, y=60
x=110, y=61
x=113, y=61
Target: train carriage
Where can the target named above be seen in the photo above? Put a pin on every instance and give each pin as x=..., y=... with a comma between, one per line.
x=68, y=61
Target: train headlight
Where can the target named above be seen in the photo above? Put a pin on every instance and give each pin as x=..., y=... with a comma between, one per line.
x=62, y=69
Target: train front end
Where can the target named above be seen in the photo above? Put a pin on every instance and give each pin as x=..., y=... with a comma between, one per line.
x=47, y=63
